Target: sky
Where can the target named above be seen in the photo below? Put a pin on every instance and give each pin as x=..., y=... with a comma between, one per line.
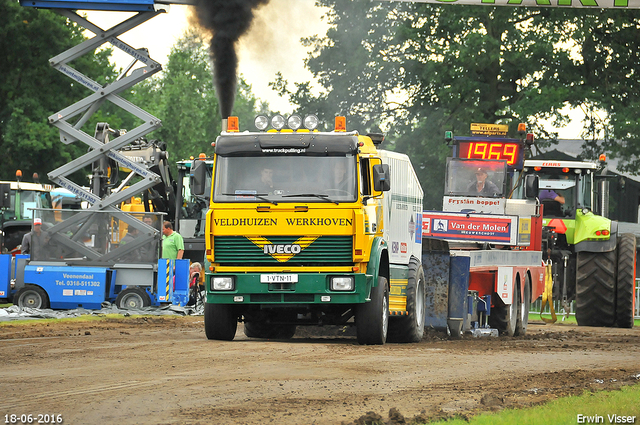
x=272, y=45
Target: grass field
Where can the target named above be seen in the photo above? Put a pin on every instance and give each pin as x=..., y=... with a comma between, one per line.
x=588, y=408
x=569, y=320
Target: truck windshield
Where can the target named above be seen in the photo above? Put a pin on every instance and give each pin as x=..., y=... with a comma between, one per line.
x=475, y=178
x=285, y=179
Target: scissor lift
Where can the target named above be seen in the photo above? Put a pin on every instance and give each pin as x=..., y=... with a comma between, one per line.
x=69, y=237
x=101, y=148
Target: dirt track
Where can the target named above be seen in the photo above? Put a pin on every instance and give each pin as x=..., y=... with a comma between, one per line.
x=164, y=370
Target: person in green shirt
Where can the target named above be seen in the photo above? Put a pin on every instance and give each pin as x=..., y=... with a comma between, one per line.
x=172, y=243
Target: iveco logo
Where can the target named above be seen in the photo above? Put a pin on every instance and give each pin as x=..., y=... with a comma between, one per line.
x=282, y=249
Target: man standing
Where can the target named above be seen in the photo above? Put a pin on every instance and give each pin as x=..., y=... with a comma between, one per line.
x=33, y=242
x=172, y=243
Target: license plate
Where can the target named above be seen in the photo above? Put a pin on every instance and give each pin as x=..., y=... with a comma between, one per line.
x=278, y=278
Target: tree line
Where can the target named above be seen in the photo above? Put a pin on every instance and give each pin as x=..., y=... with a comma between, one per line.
x=410, y=70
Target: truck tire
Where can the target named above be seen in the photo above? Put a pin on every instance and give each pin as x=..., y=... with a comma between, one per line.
x=626, y=280
x=220, y=321
x=595, y=288
x=410, y=328
x=372, y=318
x=523, y=308
x=31, y=296
x=504, y=317
x=132, y=299
x=266, y=331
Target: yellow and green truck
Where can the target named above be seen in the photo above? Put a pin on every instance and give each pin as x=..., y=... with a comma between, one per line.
x=311, y=228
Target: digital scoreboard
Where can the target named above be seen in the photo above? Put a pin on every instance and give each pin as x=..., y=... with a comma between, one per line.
x=508, y=150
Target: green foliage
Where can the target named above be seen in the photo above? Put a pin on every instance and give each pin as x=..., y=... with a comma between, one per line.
x=182, y=96
x=418, y=69
x=31, y=91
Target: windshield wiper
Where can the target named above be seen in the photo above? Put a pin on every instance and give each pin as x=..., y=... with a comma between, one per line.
x=317, y=195
x=261, y=196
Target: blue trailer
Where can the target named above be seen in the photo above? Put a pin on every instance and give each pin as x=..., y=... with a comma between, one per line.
x=59, y=286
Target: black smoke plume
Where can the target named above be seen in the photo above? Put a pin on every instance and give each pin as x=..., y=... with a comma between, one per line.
x=227, y=20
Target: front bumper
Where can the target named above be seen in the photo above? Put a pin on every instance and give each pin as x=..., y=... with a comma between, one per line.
x=310, y=288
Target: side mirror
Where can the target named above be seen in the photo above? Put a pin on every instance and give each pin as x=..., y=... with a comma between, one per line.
x=381, y=178
x=198, y=177
x=531, y=186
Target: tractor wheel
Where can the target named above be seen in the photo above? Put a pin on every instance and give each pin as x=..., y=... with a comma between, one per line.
x=133, y=299
x=410, y=328
x=523, y=308
x=626, y=281
x=220, y=321
x=595, y=288
x=372, y=318
x=31, y=296
x=505, y=317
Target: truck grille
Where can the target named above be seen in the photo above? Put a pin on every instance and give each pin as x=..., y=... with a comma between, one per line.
x=232, y=250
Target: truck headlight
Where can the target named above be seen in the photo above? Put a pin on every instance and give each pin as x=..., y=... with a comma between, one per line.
x=222, y=283
x=342, y=283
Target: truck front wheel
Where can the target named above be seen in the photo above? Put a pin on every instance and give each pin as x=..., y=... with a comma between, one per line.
x=220, y=321
x=372, y=318
x=595, y=288
x=626, y=281
x=410, y=328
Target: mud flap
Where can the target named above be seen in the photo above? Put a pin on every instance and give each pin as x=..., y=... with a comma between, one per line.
x=547, y=295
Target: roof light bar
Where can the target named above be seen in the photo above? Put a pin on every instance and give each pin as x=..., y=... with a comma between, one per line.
x=311, y=122
x=261, y=122
x=294, y=122
x=278, y=122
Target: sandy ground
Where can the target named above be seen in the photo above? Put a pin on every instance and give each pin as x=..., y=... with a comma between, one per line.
x=163, y=370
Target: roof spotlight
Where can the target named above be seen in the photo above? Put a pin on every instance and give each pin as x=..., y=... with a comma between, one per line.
x=261, y=122
x=311, y=122
x=294, y=122
x=278, y=122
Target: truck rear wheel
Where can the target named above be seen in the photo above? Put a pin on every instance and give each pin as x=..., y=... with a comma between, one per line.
x=626, y=281
x=523, y=308
x=410, y=328
x=372, y=318
x=267, y=326
x=220, y=321
x=595, y=288
x=31, y=296
x=505, y=317
x=266, y=331
x=133, y=298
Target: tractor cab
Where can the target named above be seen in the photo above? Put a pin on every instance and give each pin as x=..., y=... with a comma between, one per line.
x=564, y=186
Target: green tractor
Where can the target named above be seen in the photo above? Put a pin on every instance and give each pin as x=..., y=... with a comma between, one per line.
x=19, y=201
x=592, y=263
